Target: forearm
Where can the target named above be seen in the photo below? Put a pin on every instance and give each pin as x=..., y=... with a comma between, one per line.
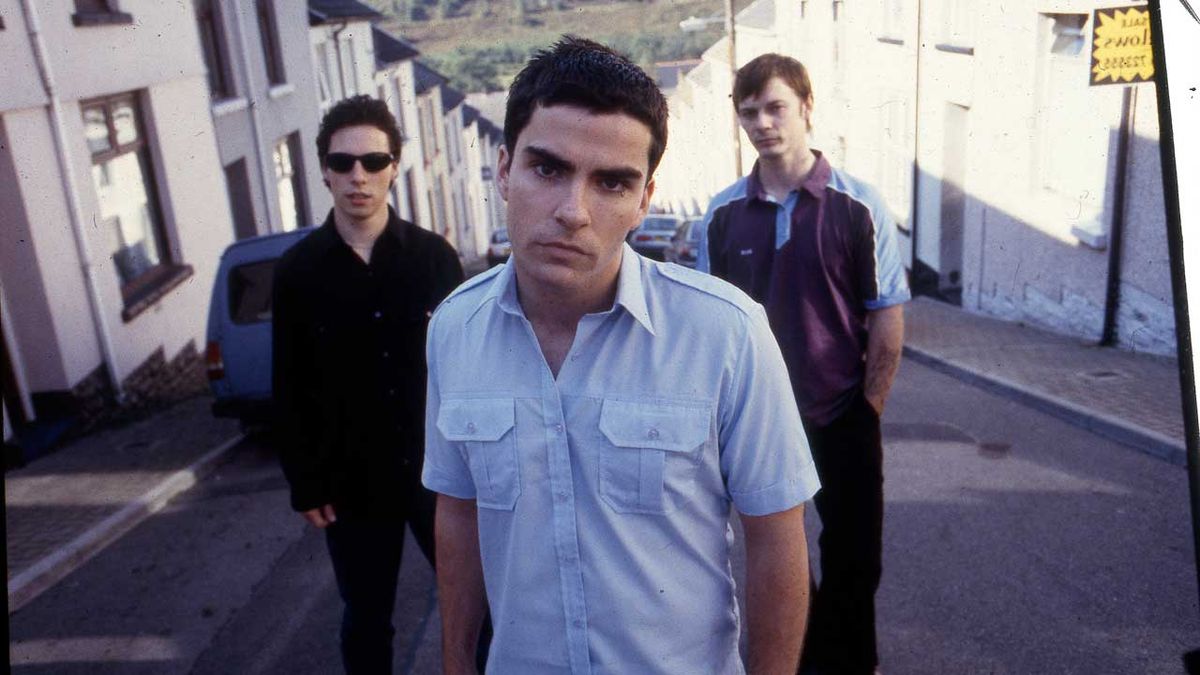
x=460, y=582
x=885, y=343
x=776, y=590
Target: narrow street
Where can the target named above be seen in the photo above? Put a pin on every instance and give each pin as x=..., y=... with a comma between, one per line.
x=1014, y=543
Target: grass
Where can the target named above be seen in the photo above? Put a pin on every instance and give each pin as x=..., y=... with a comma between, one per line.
x=484, y=43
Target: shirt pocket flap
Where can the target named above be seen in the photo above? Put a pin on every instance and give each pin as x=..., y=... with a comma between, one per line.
x=655, y=426
x=476, y=419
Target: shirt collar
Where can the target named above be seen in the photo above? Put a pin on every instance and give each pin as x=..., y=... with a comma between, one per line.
x=394, y=231
x=815, y=183
x=631, y=294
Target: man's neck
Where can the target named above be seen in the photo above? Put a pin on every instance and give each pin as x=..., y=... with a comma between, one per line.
x=555, y=315
x=781, y=175
x=360, y=235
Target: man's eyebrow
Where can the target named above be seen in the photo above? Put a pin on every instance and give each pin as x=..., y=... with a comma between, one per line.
x=621, y=173
x=549, y=157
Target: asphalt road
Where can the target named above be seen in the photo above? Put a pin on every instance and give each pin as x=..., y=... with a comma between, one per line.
x=1014, y=543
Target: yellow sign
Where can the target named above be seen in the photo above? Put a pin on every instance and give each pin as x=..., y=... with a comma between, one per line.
x=1122, y=51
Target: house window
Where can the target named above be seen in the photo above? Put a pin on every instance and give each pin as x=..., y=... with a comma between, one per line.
x=956, y=22
x=216, y=51
x=287, y=182
x=98, y=12
x=893, y=28
x=241, y=205
x=269, y=37
x=124, y=179
x=321, y=66
x=1074, y=135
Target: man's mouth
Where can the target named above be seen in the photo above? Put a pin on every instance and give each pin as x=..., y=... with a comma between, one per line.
x=560, y=247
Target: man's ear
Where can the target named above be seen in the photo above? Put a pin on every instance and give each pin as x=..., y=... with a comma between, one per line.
x=503, y=164
x=647, y=193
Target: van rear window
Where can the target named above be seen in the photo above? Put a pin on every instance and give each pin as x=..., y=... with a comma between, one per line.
x=250, y=292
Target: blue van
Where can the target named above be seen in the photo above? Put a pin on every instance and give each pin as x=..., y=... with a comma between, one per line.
x=238, y=355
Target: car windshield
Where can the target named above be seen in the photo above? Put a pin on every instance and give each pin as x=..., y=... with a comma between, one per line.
x=500, y=237
x=660, y=224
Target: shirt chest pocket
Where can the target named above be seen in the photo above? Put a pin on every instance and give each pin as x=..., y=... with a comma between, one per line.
x=485, y=428
x=651, y=457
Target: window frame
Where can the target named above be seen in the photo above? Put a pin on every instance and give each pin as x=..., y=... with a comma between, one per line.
x=268, y=36
x=141, y=292
x=209, y=15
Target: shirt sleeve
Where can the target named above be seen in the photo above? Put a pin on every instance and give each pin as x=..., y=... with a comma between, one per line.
x=765, y=457
x=303, y=456
x=889, y=274
x=446, y=470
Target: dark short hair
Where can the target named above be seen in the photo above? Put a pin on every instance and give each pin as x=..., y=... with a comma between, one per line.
x=357, y=111
x=754, y=76
x=577, y=71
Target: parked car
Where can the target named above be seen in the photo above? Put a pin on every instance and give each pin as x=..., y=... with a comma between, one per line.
x=238, y=355
x=686, y=243
x=653, y=235
x=500, y=248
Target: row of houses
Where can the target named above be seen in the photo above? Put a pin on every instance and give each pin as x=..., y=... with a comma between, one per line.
x=1020, y=191
x=139, y=138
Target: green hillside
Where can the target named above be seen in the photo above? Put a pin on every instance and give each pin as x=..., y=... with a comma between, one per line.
x=481, y=44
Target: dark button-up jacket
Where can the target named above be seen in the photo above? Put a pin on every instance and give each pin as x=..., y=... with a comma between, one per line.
x=349, y=364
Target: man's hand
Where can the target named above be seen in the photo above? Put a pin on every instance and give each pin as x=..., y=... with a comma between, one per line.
x=885, y=343
x=322, y=516
x=776, y=590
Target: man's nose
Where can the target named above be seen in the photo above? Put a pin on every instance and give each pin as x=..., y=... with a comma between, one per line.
x=572, y=209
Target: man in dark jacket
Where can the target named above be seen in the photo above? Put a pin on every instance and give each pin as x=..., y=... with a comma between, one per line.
x=351, y=305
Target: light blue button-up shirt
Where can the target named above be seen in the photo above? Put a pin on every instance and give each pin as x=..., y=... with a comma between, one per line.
x=604, y=495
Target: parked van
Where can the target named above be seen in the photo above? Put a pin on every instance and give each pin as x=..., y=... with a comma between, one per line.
x=238, y=355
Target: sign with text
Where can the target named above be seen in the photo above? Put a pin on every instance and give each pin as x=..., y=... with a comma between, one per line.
x=1122, y=51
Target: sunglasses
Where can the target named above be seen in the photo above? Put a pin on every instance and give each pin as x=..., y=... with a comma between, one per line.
x=373, y=162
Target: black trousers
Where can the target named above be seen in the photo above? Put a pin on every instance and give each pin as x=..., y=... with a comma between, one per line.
x=848, y=454
x=366, y=554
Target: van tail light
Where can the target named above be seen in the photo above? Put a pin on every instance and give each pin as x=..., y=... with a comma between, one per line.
x=643, y=237
x=213, y=362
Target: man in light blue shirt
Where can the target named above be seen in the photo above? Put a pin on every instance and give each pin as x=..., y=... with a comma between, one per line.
x=592, y=416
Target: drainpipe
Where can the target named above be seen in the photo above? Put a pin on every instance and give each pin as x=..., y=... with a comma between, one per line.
x=70, y=187
x=336, y=33
x=1112, y=299
x=266, y=171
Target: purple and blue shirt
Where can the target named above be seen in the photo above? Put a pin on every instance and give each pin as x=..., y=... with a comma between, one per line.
x=819, y=261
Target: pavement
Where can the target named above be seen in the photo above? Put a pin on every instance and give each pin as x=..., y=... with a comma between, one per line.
x=65, y=507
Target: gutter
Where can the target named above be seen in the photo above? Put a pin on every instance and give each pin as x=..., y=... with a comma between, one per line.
x=70, y=186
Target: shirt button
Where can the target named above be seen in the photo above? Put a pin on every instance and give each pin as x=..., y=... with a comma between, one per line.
x=561, y=497
x=378, y=314
x=391, y=392
x=652, y=434
x=578, y=623
x=558, y=428
x=470, y=427
x=386, y=354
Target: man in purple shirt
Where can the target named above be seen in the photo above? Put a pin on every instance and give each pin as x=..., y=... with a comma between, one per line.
x=818, y=249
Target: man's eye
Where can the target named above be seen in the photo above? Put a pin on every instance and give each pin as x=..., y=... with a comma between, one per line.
x=613, y=184
x=545, y=170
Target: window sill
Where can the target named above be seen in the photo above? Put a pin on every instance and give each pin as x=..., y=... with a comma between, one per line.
x=156, y=289
x=229, y=105
x=891, y=40
x=101, y=18
x=281, y=90
x=955, y=49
